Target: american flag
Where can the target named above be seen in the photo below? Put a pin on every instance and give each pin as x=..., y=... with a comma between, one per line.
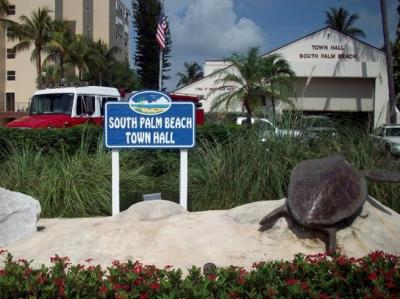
x=161, y=30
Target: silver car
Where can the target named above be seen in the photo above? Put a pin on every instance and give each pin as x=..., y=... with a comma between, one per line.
x=267, y=128
x=388, y=138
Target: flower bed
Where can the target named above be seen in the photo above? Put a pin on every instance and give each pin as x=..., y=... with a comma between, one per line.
x=315, y=276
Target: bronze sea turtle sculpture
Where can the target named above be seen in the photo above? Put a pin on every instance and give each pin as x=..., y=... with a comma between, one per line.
x=325, y=194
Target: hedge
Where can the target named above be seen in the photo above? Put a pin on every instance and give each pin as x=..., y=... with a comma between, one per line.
x=314, y=276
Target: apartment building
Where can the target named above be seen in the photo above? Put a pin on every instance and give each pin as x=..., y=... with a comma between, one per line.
x=107, y=20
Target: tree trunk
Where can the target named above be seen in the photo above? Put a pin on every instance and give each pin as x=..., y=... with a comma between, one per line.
x=39, y=69
x=391, y=115
x=61, y=67
x=273, y=103
x=249, y=112
x=273, y=109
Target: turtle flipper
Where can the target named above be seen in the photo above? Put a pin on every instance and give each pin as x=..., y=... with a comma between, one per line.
x=382, y=175
x=268, y=221
x=331, y=240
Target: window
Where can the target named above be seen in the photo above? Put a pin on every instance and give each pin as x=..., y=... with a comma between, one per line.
x=11, y=10
x=104, y=101
x=10, y=75
x=10, y=53
x=85, y=105
x=58, y=103
x=9, y=31
x=10, y=101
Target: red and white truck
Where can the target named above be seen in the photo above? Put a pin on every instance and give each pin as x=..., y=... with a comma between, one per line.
x=70, y=106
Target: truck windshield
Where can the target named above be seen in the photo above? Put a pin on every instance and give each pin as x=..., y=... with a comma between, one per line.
x=56, y=103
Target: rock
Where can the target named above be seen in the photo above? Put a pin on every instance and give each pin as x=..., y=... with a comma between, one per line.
x=19, y=214
x=162, y=233
x=151, y=210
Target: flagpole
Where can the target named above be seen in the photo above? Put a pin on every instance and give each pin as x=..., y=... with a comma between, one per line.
x=161, y=55
x=160, y=71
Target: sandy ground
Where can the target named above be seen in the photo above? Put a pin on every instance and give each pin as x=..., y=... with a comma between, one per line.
x=162, y=233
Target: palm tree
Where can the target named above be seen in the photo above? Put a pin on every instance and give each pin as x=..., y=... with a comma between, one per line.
x=278, y=79
x=57, y=48
x=99, y=59
x=34, y=31
x=4, y=7
x=252, y=79
x=192, y=73
x=391, y=115
x=341, y=20
x=78, y=53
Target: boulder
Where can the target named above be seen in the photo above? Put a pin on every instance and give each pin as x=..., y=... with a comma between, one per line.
x=150, y=210
x=19, y=214
x=162, y=233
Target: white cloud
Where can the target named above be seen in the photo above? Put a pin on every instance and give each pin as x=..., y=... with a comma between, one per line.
x=212, y=28
x=204, y=29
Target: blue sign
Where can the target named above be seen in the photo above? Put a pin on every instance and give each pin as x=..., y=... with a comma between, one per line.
x=149, y=120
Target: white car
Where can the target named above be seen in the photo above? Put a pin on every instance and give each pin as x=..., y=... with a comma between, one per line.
x=268, y=127
x=387, y=138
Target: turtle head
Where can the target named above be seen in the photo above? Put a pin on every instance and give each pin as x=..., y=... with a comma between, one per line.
x=382, y=175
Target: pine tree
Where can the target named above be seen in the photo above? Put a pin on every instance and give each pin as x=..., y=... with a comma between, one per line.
x=396, y=60
x=145, y=19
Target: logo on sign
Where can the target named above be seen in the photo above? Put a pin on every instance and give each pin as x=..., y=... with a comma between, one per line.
x=150, y=102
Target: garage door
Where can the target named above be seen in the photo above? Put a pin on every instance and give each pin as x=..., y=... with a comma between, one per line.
x=335, y=94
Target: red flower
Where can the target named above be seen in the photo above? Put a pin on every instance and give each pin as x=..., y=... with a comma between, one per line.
x=233, y=295
x=3, y=251
x=212, y=277
x=41, y=278
x=167, y=267
x=138, y=281
x=373, y=276
x=3, y=272
x=155, y=286
x=305, y=286
x=342, y=260
x=115, y=263
x=27, y=272
x=143, y=296
x=323, y=296
x=89, y=260
x=390, y=284
x=103, y=289
x=117, y=287
x=292, y=281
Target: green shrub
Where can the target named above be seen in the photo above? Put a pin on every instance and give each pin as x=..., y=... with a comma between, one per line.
x=315, y=276
x=66, y=140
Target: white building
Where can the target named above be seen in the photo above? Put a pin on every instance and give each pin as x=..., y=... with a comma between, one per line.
x=335, y=73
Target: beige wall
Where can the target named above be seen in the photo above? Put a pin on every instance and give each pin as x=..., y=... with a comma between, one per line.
x=101, y=17
x=25, y=70
x=73, y=10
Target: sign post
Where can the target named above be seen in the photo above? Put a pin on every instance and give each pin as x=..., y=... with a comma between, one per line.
x=183, y=179
x=149, y=121
x=115, y=181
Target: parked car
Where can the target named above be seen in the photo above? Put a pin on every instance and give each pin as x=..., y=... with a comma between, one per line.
x=387, y=138
x=267, y=128
x=315, y=126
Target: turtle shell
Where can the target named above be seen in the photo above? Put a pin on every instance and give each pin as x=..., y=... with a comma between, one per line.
x=326, y=191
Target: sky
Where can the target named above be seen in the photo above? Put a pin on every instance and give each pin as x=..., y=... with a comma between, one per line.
x=214, y=29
